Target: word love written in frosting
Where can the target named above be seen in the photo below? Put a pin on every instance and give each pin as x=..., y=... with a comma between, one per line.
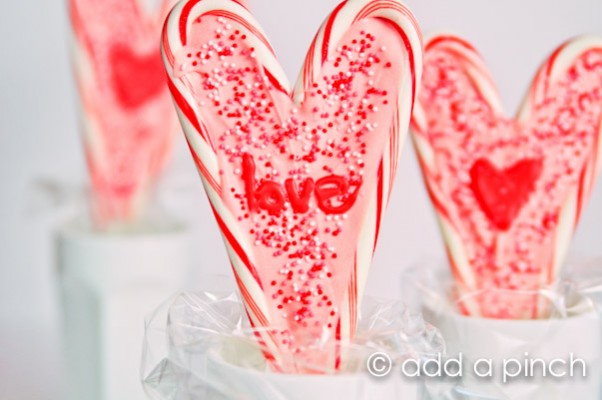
x=334, y=194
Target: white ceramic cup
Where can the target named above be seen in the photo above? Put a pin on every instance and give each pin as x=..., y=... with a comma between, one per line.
x=508, y=340
x=108, y=284
x=227, y=376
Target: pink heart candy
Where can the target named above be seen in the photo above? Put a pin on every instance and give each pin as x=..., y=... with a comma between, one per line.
x=508, y=192
x=298, y=180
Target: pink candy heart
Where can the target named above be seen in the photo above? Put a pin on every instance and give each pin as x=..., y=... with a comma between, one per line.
x=508, y=192
x=298, y=181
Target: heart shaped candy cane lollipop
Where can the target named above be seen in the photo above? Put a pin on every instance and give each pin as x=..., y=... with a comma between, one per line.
x=508, y=192
x=298, y=181
x=127, y=115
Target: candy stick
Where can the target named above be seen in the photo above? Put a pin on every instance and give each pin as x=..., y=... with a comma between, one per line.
x=508, y=193
x=298, y=181
x=127, y=119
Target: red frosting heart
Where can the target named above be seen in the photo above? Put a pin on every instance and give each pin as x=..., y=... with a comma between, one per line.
x=508, y=192
x=136, y=77
x=503, y=193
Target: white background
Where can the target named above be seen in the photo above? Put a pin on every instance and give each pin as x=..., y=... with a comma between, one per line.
x=39, y=138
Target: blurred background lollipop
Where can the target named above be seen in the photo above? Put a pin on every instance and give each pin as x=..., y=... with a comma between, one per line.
x=127, y=119
x=508, y=192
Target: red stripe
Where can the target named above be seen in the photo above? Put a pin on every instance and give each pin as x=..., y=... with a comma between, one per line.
x=394, y=151
x=237, y=247
x=309, y=64
x=165, y=40
x=581, y=194
x=595, y=154
x=410, y=50
x=204, y=171
x=328, y=31
x=436, y=203
x=449, y=38
x=353, y=296
x=263, y=321
x=183, y=24
x=337, y=363
x=415, y=128
x=185, y=107
x=251, y=304
x=535, y=85
x=379, y=200
x=373, y=7
x=275, y=82
x=463, y=309
x=240, y=3
x=550, y=65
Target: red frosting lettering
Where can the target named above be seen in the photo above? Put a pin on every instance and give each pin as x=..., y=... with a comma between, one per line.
x=332, y=187
x=300, y=199
x=331, y=192
x=270, y=197
x=248, y=176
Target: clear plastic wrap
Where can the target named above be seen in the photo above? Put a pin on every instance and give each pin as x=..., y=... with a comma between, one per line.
x=200, y=346
x=543, y=358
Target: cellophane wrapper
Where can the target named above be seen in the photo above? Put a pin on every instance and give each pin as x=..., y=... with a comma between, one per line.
x=570, y=320
x=190, y=330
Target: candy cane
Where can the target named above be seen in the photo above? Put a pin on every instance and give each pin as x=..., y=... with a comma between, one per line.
x=572, y=209
x=127, y=122
x=460, y=265
x=204, y=145
x=323, y=45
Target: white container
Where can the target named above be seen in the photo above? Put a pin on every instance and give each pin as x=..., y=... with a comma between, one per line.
x=109, y=283
x=250, y=384
x=508, y=340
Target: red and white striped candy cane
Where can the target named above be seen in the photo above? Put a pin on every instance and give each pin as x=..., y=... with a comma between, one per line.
x=335, y=26
x=302, y=275
x=473, y=63
x=550, y=72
